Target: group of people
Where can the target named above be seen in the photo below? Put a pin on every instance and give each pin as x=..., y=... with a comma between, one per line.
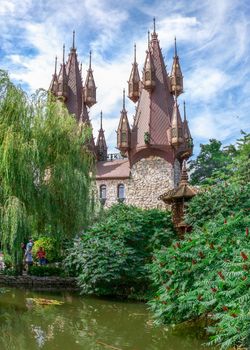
x=28, y=254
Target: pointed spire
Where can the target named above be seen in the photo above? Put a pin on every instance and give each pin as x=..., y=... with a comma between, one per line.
x=62, y=80
x=149, y=71
x=55, y=65
x=54, y=82
x=123, y=132
x=73, y=41
x=90, y=57
x=186, y=132
x=148, y=40
x=101, y=121
x=89, y=87
x=101, y=146
x=176, y=126
x=63, y=53
x=154, y=25
x=134, y=80
x=123, y=100
x=176, y=77
x=175, y=47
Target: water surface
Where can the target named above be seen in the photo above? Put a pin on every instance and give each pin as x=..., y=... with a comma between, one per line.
x=80, y=323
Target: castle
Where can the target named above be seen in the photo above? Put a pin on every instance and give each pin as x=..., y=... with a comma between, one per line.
x=153, y=149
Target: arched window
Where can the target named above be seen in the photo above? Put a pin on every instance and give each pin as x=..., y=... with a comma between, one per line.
x=103, y=192
x=121, y=192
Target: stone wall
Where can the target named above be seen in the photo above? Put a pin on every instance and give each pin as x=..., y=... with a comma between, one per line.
x=41, y=283
x=150, y=177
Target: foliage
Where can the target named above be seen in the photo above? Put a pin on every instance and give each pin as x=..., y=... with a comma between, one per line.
x=206, y=275
x=44, y=168
x=42, y=271
x=211, y=159
x=50, y=245
x=111, y=256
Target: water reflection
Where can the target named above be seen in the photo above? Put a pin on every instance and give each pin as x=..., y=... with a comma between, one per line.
x=26, y=323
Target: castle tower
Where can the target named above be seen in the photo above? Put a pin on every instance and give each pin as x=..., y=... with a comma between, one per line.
x=123, y=132
x=67, y=86
x=101, y=146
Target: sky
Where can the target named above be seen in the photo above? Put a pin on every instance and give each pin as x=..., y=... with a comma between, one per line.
x=213, y=39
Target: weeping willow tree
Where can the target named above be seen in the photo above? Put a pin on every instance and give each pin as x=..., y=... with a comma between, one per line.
x=45, y=168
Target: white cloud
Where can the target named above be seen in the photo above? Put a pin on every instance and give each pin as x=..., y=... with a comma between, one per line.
x=212, y=42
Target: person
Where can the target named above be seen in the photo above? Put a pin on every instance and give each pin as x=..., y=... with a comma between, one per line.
x=28, y=255
x=2, y=264
x=41, y=255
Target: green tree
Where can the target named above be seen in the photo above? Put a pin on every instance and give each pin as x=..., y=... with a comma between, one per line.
x=211, y=159
x=111, y=256
x=44, y=168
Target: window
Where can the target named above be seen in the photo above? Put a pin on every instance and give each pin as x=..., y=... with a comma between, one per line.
x=121, y=192
x=103, y=192
x=124, y=137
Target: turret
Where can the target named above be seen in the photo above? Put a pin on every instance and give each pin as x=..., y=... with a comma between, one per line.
x=62, y=80
x=134, y=81
x=89, y=87
x=186, y=132
x=176, y=126
x=123, y=132
x=54, y=82
x=176, y=78
x=101, y=146
x=149, y=71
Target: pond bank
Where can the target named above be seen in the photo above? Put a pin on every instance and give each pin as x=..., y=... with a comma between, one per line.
x=41, y=283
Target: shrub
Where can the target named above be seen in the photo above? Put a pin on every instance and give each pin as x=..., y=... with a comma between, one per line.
x=42, y=271
x=207, y=275
x=111, y=257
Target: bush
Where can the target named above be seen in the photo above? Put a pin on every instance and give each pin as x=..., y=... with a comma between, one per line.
x=51, y=248
x=42, y=271
x=111, y=257
x=207, y=275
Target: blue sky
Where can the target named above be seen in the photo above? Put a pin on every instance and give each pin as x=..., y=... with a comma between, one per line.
x=213, y=38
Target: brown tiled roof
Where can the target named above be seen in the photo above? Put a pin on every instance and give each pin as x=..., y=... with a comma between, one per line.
x=117, y=169
x=154, y=109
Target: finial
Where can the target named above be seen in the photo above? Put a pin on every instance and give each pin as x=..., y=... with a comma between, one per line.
x=134, y=53
x=148, y=38
x=154, y=24
x=63, y=53
x=123, y=104
x=175, y=47
x=184, y=105
x=90, y=58
x=73, y=46
x=55, y=64
x=101, y=120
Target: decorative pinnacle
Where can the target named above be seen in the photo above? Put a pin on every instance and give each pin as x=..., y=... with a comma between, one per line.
x=175, y=47
x=134, y=53
x=154, y=24
x=55, y=64
x=90, y=58
x=81, y=68
x=148, y=38
x=101, y=120
x=184, y=105
x=123, y=103
x=63, y=53
x=73, y=44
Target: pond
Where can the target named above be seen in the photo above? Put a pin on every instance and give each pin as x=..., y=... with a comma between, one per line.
x=40, y=320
